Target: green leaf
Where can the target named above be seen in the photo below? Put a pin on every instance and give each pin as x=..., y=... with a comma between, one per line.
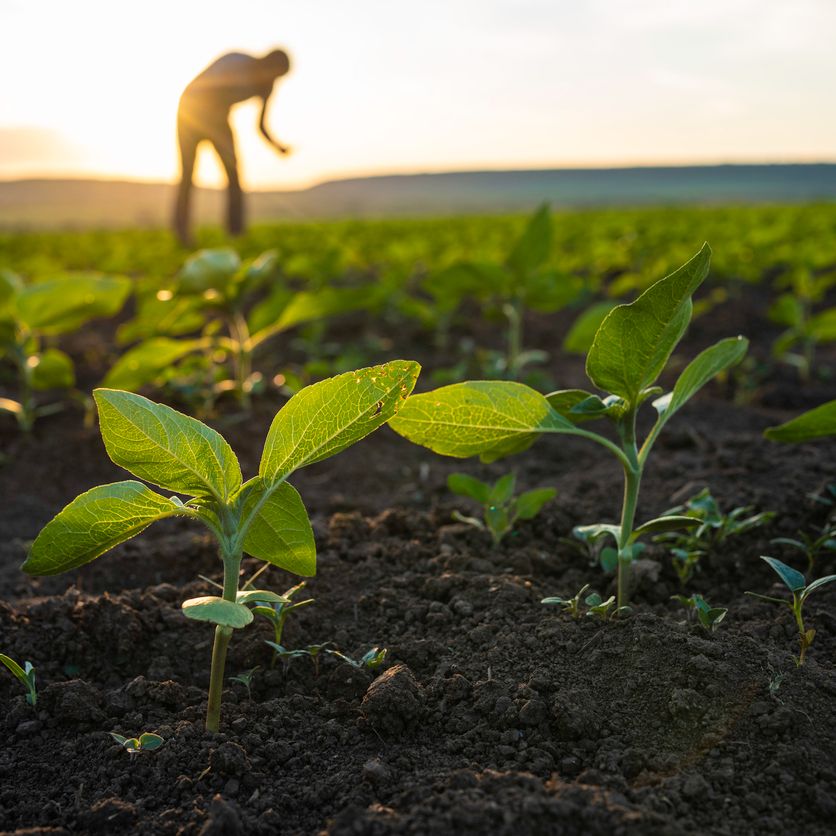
x=634, y=342
x=63, y=305
x=787, y=310
x=591, y=533
x=329, y=416
x=534, y=245
x=582, y=333
x=94, y=523
x=791, y=577
x=609, y=559
x=330, y=301
x=667, y=523
x=119, y=738
x=464, y=485
x=10, y=285
x=15, y=669
x=165, y=447
x=247, y=596
x=503, y=489
x=280, y=531
x=148, y=741
x=485, y=418
x=818, y=583
x=146, y=362
x=705, y=366
x=217, y=611
x=52, y=369
x=529, y=503
x=822, y=326
x=565, y=400
x=209, y=270
x=816, y=423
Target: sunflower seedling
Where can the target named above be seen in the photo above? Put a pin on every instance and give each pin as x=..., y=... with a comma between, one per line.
x=709, y=617
x=500, y=508
x=277, y=613
x=246, y=679
x=631, y=349
x=713, y=529
x=264, y=517
x=570, y=605
x=369, y=661
x=25, y=675
x=146, y=742
x=597, y=606
x=800, y=589
x=812, y=546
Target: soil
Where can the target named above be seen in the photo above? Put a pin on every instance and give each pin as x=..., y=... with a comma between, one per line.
x=493, y=714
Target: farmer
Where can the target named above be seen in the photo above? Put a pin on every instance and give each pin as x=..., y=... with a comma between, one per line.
x=203, y=114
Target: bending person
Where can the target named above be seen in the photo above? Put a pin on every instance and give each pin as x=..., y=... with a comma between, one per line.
x=203, y=114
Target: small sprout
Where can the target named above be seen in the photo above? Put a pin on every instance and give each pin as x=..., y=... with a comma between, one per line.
x=709, y=617
x=370, y=661
x=246, y=679
x=25, y=675
x=812, y=546
x=286, y=656
x=276, y=613
x=712, y=529
x=597, y=606
x=797, y=584
x=500, y=508
x=146, y=742
x=570, y=605
x=314, y=651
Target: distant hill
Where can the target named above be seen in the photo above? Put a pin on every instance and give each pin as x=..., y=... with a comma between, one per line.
x=95, y=203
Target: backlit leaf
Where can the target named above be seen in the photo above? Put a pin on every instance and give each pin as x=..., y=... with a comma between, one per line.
x=816, y=423
x=217, y=611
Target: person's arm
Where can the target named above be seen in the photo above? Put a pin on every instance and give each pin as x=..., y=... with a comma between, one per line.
x=262, y=126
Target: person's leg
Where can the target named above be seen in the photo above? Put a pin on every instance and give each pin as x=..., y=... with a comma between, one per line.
x=188, y=143
x=225, y=146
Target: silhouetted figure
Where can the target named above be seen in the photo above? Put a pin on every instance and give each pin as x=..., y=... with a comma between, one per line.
x=203, y=114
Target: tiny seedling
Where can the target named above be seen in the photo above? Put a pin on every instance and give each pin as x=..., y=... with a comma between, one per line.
x=246, y=679
x=812, y=546
x=315, y=652
x=631, y=349
x=25, y=675
x=264, y=517
x=800, y=589
x=713, y=529
x=709, y=617
x=285, y=655
x=500, y=508
x=146, y=742
x=597, y=606
x=369, y=661
x=278, y=611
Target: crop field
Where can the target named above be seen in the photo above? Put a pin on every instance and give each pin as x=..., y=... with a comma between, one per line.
x=484, y=525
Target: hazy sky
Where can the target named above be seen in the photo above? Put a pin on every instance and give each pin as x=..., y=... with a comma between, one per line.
x=91, y=86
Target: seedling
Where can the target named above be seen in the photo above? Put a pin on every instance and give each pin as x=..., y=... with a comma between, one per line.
x=277, y=612
x=630, y=350
x=224, y=299
x=264, y=517
x=25, y=675
x=315, y=651
x=30, y=315
x=246, y=679
x=709, y=617
x=815, y=423
x=800, y=589
x=369, y=661
x=286, y=655
x=812, y=546
x=500, y=508
x=146, y=742
x=713, y=529
x=597, y=606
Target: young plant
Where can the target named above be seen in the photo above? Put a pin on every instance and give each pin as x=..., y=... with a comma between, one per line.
x=500, y=508
x=709, y=617
x=146, y=742
x=631, y=349
x=264, y=517
x=809, y=426
x=276, y=613
x=369, y=661
x=246, y=679
x=800, y=590
x=286, y=655
x=25, y=675
x=713, y=529
x=223, y=299
x=570, y=605
x=31, y=316
x=597, y=606
x=812, y=546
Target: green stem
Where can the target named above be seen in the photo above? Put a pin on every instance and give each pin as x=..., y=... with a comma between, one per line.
x=232, y=565
x=513, y=311
x=242, y=358
x=802, y=633
x=632, y=483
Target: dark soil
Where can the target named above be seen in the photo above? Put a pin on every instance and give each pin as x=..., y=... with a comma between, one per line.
x=493, y=714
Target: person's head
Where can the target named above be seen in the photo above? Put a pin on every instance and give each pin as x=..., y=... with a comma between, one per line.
x=276, y=63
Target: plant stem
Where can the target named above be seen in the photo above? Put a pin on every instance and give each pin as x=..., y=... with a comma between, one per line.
x=242, y=358
x=632, y=483
x=802, y=633
x=232, y=565
x=513, y=311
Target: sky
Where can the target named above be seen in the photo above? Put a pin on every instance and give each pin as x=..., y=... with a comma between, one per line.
x=90, y=88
